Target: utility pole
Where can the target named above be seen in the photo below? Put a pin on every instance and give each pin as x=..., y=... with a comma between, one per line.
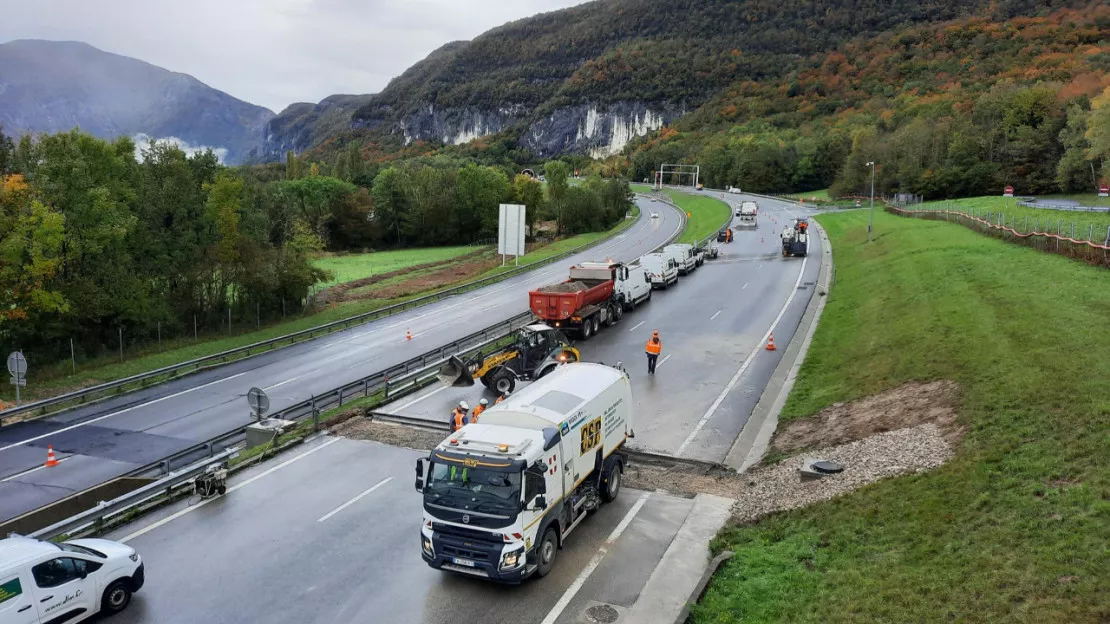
x=871, y=221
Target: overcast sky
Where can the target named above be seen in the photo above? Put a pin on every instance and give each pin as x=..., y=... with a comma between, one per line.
x=269, y=52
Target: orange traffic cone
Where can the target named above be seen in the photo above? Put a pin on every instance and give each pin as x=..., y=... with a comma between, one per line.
x=408, y=335
x=50, y=459
x=771, y=342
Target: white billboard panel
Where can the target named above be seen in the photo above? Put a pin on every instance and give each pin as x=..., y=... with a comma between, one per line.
x=510, y=230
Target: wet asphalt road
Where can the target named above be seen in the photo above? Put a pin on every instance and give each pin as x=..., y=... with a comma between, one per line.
x=713, y=324
x=276, y=550
x=101, y=442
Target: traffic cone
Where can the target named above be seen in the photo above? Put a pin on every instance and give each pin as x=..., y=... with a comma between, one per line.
x=771, y=342
x=408, y=335
x=51, y=461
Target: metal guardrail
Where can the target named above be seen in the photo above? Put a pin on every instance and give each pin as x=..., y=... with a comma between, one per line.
x=119, y=386
x=182, y=467
x=395, y=382
x=1063, y=206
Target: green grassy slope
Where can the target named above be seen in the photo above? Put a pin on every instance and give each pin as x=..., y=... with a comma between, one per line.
x=1016, y=526
x=349, y=267
x=707, y=214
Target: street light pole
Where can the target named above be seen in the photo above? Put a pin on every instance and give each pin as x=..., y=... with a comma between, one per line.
x=871, y=221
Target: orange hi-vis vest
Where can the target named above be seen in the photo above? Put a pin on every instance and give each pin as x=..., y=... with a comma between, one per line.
x=654, y=347
x=460, y=418
x=477, y=411
x=499, y=399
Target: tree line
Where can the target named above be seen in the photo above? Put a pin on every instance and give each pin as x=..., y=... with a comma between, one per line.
x=97, y=237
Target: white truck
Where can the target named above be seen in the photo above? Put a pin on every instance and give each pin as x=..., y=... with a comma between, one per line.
x=685, y=256
x=502, y=495
x=661, y=269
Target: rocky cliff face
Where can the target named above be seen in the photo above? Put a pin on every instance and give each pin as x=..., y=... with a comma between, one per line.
x=303, y=125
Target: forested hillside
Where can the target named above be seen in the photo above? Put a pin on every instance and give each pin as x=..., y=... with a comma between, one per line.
x=960, y=108
x=588, y=78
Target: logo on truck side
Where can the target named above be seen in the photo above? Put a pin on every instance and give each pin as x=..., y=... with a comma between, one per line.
x=591, y=435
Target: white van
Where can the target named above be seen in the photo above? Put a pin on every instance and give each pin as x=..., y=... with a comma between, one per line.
x=685, y=257
x=661, y=269
x=635, y=288
x=70, y=581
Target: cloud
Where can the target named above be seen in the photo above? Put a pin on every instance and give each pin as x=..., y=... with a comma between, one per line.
x=143, y=142
x=271, y=52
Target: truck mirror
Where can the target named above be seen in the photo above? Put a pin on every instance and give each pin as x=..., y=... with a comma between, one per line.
x=541, y=502
x=420, y=467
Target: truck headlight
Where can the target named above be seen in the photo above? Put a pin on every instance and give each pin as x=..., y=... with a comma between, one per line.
x=512, y=558
x=426, y=543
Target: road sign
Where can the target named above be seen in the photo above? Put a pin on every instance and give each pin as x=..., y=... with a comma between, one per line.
x=17, y=364
x=259, y=402
x=1009, y=192
x=22, y=381
x=1104, y=191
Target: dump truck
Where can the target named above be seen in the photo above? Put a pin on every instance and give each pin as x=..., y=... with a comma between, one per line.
x=535, y=351
x=595, y=294
x=795, y=238
x=502, y=496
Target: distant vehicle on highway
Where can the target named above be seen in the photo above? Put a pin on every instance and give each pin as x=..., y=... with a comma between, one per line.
x=596, y=294
x=734, y=190
x=655, y=215
x=70, y=581
x=686, y=257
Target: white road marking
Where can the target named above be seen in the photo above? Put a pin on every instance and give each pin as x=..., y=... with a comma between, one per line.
x=27, y=472
x=744, y=286
x=663, y=361
x=419, y=399
x=743, y=367
x=580, y=580
x=175, y=516
x=365, y=361
x=281, y=383
x=716, y=315
x=123, y=411
x=355, y=499
x=633, y=328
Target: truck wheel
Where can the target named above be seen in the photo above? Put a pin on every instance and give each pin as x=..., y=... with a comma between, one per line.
x=502, y=382
x=618, y=312
x=612, y=483
x=116, y=597
x=587, y=329
x=631, y=304
x=546, y=552
x=648, y=298
x=597, y=324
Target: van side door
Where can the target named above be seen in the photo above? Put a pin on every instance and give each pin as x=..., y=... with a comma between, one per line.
x=17, y=603
x=65, y=589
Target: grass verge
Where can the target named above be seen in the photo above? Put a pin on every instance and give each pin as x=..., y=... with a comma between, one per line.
x=350, y=267
x=707, y=214
x=57, y=378
x=1016, y=526
x=1024, y=219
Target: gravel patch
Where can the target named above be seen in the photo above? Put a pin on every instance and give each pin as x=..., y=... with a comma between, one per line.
x=779, y=487
x=363, y=428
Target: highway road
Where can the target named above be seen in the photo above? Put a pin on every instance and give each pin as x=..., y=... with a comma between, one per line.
x=714, y=326
x=101, y=442
x=329, y=533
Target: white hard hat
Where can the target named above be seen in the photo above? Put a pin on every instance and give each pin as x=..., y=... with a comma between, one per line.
x=484, y=401
x=464, y=405
x=507, y=393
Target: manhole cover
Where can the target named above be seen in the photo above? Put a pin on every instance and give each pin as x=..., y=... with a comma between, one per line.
x=827, y=467
x=602, y=614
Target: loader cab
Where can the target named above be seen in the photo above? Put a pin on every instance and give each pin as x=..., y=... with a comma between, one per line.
x=538, y=343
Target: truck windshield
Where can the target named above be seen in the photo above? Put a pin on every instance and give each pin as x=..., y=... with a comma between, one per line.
x=470, y=488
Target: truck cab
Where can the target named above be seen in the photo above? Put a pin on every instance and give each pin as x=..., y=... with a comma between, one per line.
x=661, y=269
x=685, y=257
x=500, y=496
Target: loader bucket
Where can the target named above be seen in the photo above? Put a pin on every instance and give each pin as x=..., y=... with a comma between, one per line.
x=455, y=373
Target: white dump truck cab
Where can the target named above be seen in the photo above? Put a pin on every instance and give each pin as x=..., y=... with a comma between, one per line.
x=500, y=496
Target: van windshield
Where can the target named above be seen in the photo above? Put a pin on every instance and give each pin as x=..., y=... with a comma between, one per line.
x=459, y=486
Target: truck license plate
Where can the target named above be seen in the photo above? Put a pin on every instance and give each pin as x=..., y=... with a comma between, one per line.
x=463, y=562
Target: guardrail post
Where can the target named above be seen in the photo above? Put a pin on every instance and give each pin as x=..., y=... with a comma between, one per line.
x=340, y=397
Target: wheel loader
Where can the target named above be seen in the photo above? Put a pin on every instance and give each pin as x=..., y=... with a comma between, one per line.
x=536, y=351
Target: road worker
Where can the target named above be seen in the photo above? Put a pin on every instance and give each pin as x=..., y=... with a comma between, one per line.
x=459, y=417
x=501, y=398
x=482, y=405
x=653, y=348
x=728, y=235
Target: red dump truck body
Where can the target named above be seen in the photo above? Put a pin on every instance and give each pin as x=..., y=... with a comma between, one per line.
x=559, y=302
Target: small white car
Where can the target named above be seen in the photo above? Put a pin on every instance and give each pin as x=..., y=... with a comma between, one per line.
x=655, y=215
x=733, y=189
x=70, y=581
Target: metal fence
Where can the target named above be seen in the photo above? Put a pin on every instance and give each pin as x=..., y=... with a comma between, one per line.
x=1073, y=206
x=1048, y=235
x=135, y=382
